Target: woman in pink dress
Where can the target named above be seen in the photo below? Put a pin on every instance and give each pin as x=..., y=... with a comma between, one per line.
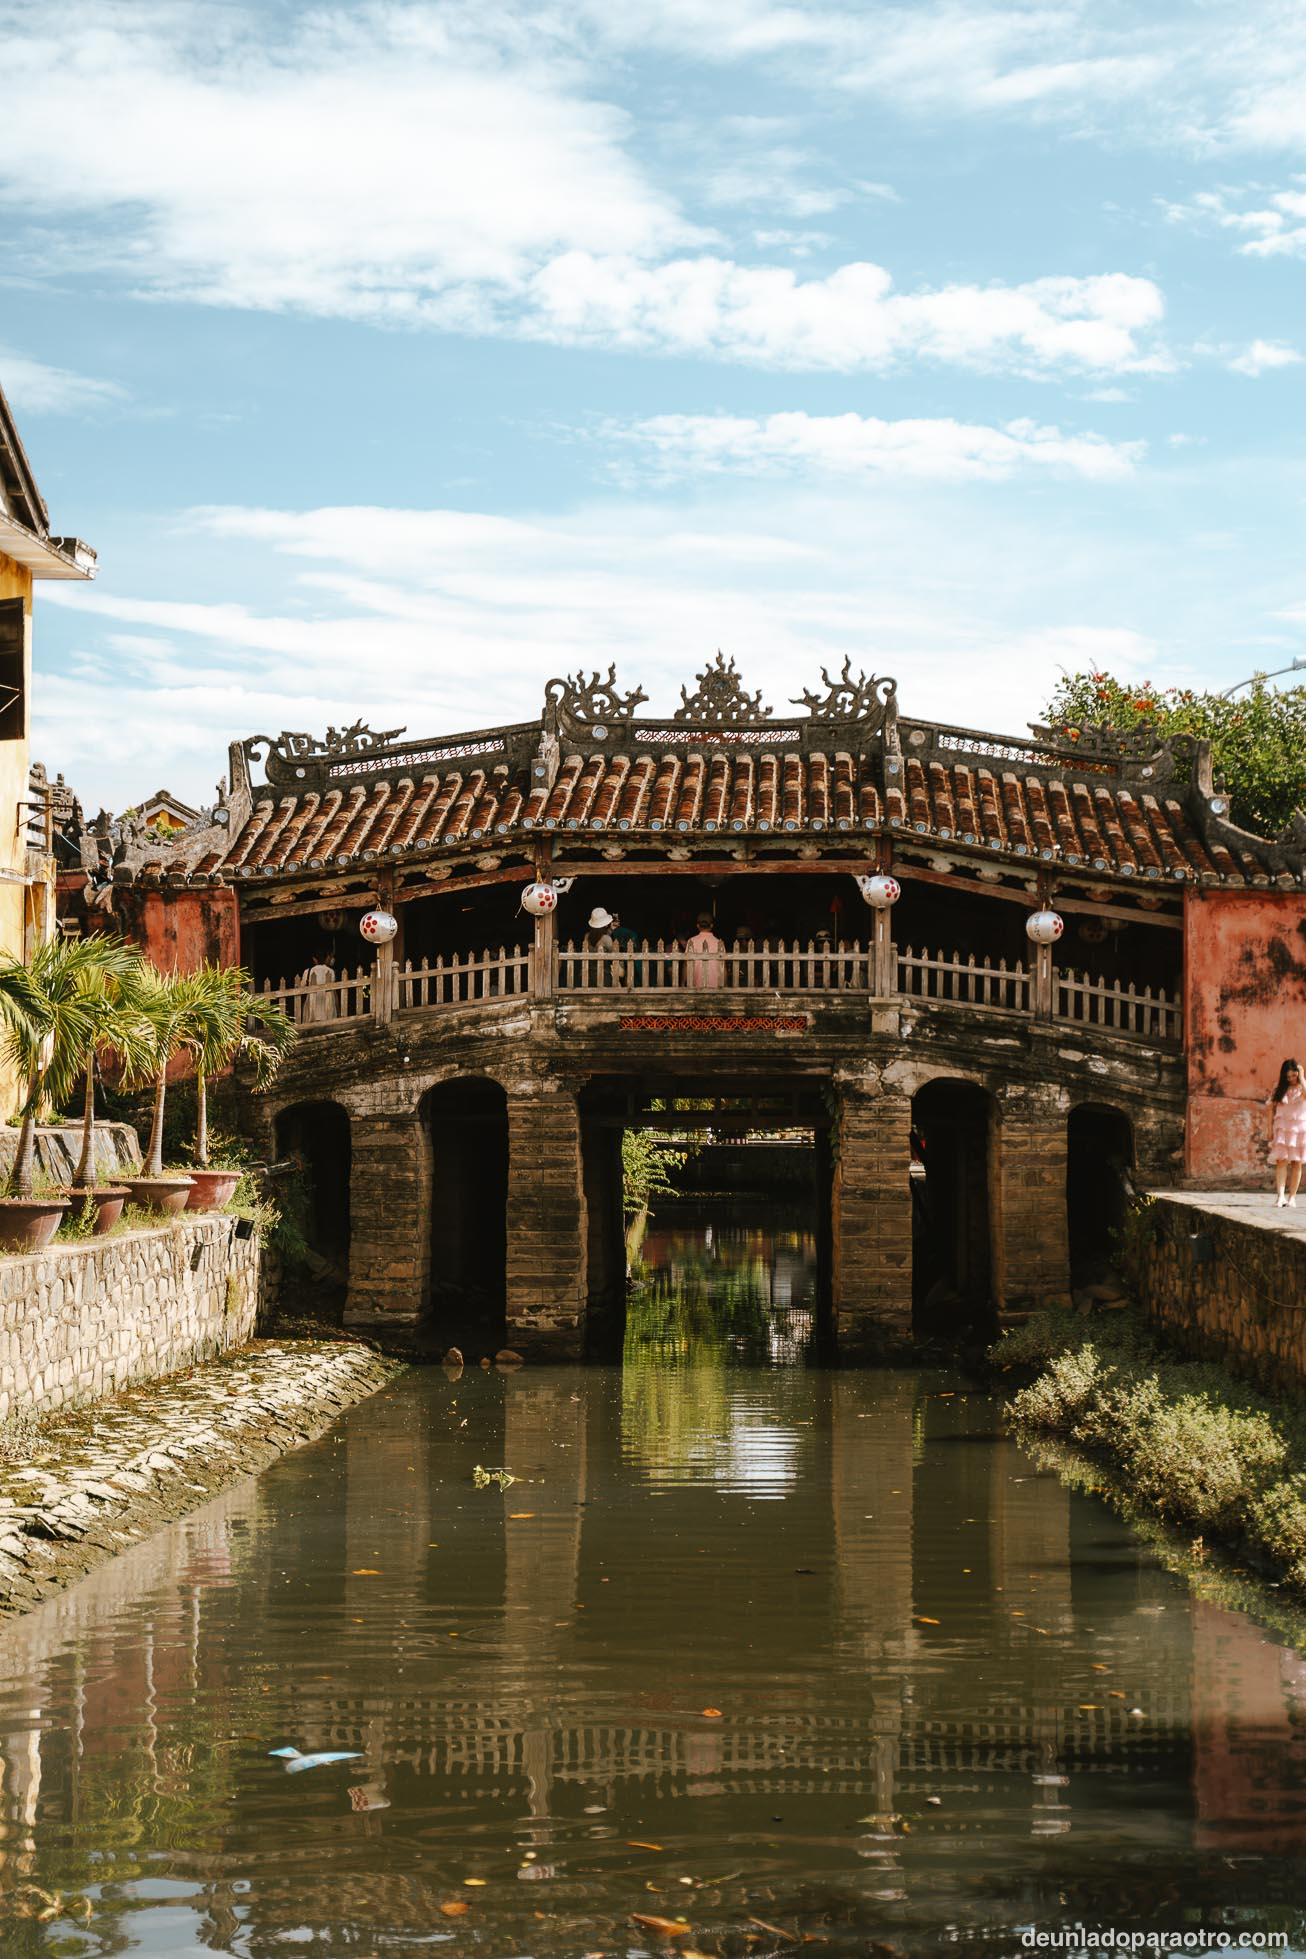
x=706, y=964
x=1288, y=1131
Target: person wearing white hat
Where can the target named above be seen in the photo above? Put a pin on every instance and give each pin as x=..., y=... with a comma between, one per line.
x=599, y=972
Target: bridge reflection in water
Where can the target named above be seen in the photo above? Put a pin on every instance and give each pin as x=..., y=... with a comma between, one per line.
x=825, y=1644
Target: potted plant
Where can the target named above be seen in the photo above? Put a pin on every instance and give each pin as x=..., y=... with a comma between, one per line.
x=48, y=1006
x=115, y=1027
x=223, y=1004
x=165, y=1005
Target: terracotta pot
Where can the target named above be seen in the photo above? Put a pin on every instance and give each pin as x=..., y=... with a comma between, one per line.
x=165, y=1195
x=108, y=1200
x=211, y=1189
x=28, y=1223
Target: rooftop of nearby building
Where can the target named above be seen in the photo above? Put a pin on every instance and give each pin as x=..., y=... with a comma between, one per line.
x=24, y=520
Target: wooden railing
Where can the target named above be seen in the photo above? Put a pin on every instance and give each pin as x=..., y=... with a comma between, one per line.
x=455, y=981
x=787, y=966
x=966, y=982
x=316, y=1004
x=781, y=967
x=1152, y=1015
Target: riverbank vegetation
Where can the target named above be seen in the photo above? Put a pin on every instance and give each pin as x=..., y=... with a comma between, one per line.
x=1194, y=1447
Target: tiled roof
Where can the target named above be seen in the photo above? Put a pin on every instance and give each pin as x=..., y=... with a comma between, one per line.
x=1005, y=808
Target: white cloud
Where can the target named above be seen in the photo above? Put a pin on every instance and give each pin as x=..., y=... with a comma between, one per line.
x=860, y=445
x=1262, y=357
x=35, y=388
x=850, y=321
x=403, y=165
x=1270, y=225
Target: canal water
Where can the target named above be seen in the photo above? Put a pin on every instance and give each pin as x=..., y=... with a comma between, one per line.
x=780, y=1652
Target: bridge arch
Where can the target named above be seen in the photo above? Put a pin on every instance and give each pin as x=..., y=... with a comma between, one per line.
x=464, y=1121
x=1100, y=1158
x=316, y=1135
x=954, y=1136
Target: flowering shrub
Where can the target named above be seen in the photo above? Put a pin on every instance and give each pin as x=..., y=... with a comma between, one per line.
x=1258, y=739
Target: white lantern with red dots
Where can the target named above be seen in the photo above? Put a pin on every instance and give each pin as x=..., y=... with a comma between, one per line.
x=539, y=899
x=378, y=927
x=1044, y=927
x=880, y=892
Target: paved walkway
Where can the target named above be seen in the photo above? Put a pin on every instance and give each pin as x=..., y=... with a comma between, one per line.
x=1253, y=1207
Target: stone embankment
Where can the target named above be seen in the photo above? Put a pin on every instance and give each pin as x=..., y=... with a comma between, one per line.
x=1223, y=1274
x=96, y=1479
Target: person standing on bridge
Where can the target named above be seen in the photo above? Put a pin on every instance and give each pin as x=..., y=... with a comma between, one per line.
x=1288, y=1131
x=706, y=964
x=599, y=939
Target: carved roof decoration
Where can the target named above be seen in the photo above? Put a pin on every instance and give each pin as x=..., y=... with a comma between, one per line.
x=722, y=769
x=719, y=700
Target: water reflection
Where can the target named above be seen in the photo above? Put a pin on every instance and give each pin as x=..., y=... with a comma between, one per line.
x=817, y=1648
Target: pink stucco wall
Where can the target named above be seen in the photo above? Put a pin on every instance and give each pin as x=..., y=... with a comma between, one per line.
x=1245, y=988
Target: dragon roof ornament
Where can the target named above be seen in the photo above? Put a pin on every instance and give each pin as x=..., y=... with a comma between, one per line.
x=291, y=758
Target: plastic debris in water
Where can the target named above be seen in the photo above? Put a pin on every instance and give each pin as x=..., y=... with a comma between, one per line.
x=295, y=1761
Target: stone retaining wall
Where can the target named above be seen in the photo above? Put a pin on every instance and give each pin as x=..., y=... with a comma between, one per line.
x=79, y=1321
x=1225, y=1275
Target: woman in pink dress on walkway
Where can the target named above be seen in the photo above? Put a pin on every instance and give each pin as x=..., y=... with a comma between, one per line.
x=707, y=966
x=1288, y=1131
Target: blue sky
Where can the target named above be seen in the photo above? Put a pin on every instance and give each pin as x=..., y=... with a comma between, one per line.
x=398, y=357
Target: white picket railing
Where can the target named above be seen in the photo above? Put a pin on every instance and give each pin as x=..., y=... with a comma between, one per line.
x=968, y=982
x=318, y=1004
x=458, y=979
x=1150, y=1014
x=660, y=967
x=787, y=966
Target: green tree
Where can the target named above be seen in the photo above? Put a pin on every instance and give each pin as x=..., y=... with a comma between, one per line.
x=1258, y=739
x=53, y=1007
x=115, y=1027
x=230, y=1022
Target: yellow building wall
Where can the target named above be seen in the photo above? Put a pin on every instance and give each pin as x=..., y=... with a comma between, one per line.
x=25, y=911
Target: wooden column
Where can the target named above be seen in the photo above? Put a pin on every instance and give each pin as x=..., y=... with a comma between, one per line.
x=871, y=1221
x=543, y=953
x=1043, y=982
x=1032, y=1267
x=546, y=1273
x=884, y=963
x=390, y=1217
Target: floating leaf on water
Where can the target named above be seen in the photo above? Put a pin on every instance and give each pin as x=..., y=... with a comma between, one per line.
x=711, y=1714
x=365, y=1571
x=520, y=1517
x=476, y=1880
x=921, y=1620
x=633, y=1843
x=674, y=1928
x=455, y=1907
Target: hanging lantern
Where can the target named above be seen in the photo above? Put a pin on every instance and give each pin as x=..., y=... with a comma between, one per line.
x=378, y=927
x=539, y=898
x=1044, y=927
x=879, y=891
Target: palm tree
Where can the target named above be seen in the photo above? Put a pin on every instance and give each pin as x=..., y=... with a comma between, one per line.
x=223, y=1003
x=118, y=1028
x=52, y=1007
x=206, y=1014
x=163, y=1001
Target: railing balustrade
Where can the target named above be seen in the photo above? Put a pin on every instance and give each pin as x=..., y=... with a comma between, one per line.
x=321, y=1003
x=455, y=980
x=966, y=982
x=1152, y=1015
x=781, y=967
x=658, y=967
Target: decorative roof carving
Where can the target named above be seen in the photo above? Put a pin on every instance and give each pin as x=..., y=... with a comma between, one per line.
x=871, y=698
x=590, y=707
x=291, y=756
x=719, y=700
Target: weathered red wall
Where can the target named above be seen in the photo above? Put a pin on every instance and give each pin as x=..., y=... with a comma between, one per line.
x=180, y=929
x=1245, y=1009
